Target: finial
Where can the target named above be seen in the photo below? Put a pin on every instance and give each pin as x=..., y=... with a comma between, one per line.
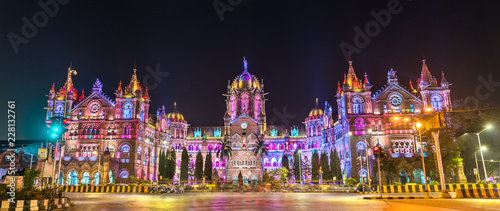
x=135, y=63
x=411, y=85
x=316, y=101
x=175, y=105
x=245, y=63
x=70, y=64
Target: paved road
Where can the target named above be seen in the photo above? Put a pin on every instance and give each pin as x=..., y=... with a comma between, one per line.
x=266, y=201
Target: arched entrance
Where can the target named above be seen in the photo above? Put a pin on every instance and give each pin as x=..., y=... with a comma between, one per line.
x=111, y=180
x=418, y=176
x=403, y=177
x=72, y=178
x=86, y=178
x=97, y=178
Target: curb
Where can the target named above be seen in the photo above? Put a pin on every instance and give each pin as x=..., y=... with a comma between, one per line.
x=41, y=204
x=368, y=192
x=398, y=197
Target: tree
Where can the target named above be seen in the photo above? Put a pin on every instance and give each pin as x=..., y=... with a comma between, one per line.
x=208, y=166
x=225, y=151
x=286, y=163
x=297, y=165
x=171, y=161
x=184, y=165
x=260, y=148
x=315, y=167
x=325, y=167
x=198, y=172
x=389, y=166
x=240, y=178
x=336, y=171
x=161, y=164
x=29, y=177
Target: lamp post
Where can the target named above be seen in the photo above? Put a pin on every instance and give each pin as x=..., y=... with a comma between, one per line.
x=477, y=166
x=422, y=155
x=480, y=147
x=368, y=161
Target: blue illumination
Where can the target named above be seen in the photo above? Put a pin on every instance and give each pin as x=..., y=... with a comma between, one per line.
x=197, y=132
x=295, y=131
x=274, y=132
x=217, y=132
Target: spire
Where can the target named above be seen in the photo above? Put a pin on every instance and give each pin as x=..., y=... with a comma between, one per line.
x=316, y=101
x=120, y=86
x=82, y=96
x=245, y=65
x=352, y=79
x=133, y=85
x=175, y=105
x=345, y=79
x=443, y=79
x=425, y=75
x=52, y=91
x=97, y=86
x=339, y=90
x=367, y=84
x=146, y=95
x=411, y=85
x=68, y=86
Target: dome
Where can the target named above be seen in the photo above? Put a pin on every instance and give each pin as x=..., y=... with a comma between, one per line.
x=245, y=79
x=316, y=111
x=175, y=114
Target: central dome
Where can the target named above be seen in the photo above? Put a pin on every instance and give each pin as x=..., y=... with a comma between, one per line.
x=245, y=79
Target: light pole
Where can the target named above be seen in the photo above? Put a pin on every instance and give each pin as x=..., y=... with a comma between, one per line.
x=477, y=166
x=368, y=161
x=423, y=162
x=482, y=156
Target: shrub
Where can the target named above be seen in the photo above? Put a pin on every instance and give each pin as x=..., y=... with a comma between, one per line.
x=397, y=183
x=350, y=181
x=434, y=183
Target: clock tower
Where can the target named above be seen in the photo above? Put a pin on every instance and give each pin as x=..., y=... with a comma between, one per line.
x=244, y=124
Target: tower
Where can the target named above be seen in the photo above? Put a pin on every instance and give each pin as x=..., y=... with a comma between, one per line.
x=434, y=96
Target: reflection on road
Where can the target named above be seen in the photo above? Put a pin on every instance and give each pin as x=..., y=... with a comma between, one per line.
x=265, y=201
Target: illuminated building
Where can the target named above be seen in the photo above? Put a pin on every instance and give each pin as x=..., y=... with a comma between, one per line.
x=129, y=139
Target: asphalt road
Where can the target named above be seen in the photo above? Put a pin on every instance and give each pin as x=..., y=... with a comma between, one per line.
x=267, y=201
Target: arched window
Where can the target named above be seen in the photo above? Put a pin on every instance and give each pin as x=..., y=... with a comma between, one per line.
x=86, y=178
x=244, y=103
x=127, y=110
x=124, y=174
x=357, y=105
x=97, y=178
x=256, y=104
x=437, y=102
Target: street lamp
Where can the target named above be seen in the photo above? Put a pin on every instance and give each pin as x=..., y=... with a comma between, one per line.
x=368, y=161
x=479, y=141
x=477, y=166
x=419, y=125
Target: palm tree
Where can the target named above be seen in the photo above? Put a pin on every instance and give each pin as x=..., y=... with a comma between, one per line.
x=261, y=149
x=224, y=152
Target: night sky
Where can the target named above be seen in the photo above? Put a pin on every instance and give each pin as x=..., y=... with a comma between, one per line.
x=292, y=45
